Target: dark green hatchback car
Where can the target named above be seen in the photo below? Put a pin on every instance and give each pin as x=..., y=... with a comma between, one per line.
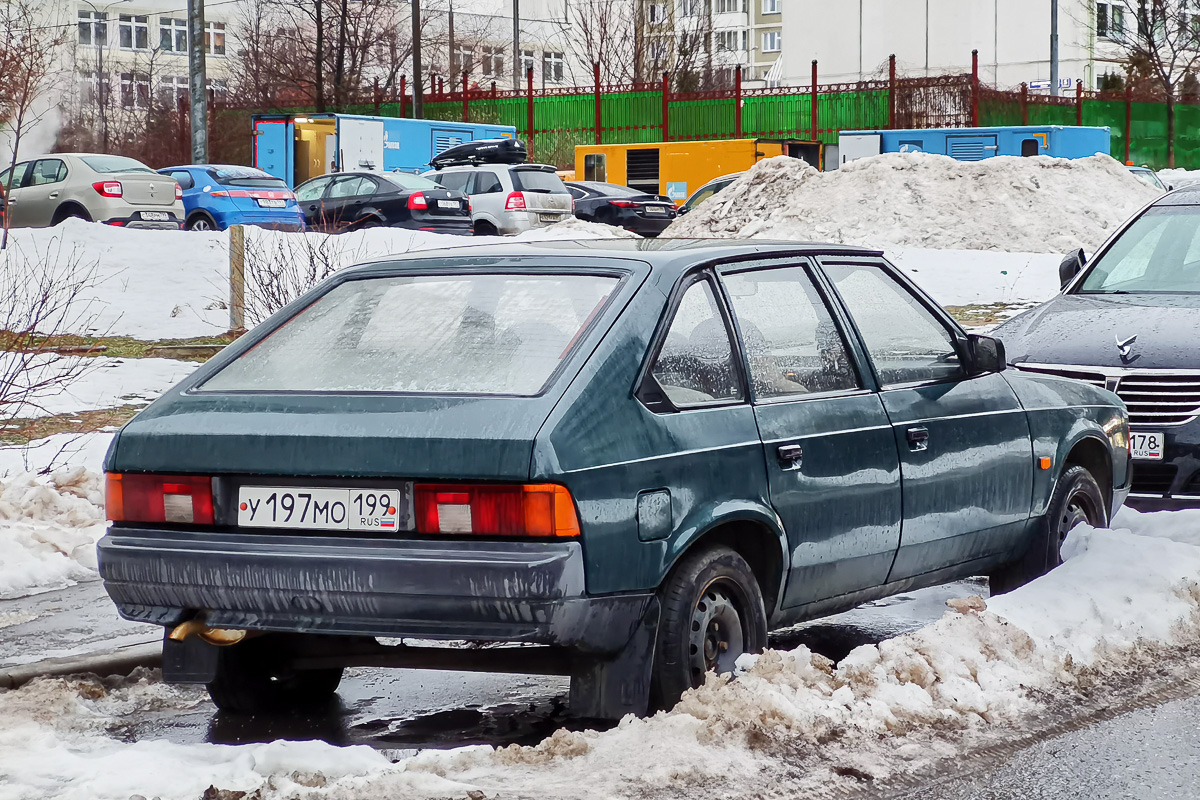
x=634, y=457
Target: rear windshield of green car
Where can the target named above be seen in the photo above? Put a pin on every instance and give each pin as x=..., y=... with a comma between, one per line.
x=489, y=334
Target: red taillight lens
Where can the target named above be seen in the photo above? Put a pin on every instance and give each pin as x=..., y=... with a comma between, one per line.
x=541, y=509
x=178, y=192
x=108, y=188
x=417, y=201
x=624, y=203
x=183, y=499
x=515, y=202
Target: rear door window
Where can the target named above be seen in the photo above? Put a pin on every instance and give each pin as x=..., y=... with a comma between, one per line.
x=486, y=183
x=695, y=363
x=47, y=171
x=503, y=334
x=455, y=181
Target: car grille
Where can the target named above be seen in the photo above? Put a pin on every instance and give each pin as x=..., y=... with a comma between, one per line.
x=1154, y=398
x=1153, y=478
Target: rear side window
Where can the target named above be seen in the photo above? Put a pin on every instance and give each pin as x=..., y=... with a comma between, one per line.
x=454, y=181
x=487, y=183
x=536, y=180
x=695, y=364
x=427, y=334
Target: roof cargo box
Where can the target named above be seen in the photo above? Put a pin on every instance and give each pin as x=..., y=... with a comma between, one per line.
x=486, y=151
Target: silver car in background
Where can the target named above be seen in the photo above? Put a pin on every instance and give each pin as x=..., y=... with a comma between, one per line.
x=113, y=190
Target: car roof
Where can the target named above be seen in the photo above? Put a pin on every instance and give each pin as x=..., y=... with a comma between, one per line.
x=1183, y=196
x=526, y=165
x=669, y=258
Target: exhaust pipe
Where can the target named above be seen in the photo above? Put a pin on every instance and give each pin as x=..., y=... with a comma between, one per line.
x=221, y=637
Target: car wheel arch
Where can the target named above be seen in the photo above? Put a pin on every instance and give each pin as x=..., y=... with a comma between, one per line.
x=70, y=209
x=1095, y=455
x=201, y=214
x=753, y=532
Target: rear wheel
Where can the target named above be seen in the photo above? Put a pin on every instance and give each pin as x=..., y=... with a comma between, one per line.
x=1077, y=500
x=201, y=222
x=712, y=612
x=485, y=228
x=70, y=212
x=256, y=676
x=372, y=222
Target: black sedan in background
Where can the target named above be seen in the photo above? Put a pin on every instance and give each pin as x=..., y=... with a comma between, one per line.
x=1129, y=321
x=611, y=204
x=356, y=200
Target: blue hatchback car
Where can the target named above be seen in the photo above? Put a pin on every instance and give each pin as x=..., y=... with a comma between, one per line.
x=216, y=196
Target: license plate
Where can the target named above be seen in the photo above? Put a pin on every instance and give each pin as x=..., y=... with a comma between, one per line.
x=323, y=509
x=549, y=217
x=1146, y=446
x=272, y=203
x=156, y=216
x=449, y=204
x=655, y=210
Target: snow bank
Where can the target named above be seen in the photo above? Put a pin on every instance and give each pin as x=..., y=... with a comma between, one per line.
x=1120, y=600
x=48, y=530
x=977, y=277
x=59, y=451
x=1029, y=205
x=101, y=383
x=1179, y=177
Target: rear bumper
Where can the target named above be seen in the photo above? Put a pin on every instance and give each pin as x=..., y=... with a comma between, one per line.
x=134, y=220
x=460, y=226
x=279, y=221
x=479, y=591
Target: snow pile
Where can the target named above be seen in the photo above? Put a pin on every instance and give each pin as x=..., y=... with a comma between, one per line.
x=1028, y=205
x=575, y=228
x=96, y=382
x=1121, y=601
x=48, y=530
x=1179, y=177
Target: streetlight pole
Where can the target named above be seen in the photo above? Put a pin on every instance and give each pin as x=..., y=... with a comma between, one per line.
x=1054, y=47
x=516, y=53
x=198, y=81
x=418, y=83
x=103, y=87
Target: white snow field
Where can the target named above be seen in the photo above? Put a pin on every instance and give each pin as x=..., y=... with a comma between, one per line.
x=907, y=200
x=1177, y=178
x=789, y=720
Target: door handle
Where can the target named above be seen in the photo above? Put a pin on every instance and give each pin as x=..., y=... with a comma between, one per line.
x=918, y=439
x=53, y=195
x=791, y=456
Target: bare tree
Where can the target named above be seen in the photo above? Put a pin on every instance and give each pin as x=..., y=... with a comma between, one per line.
x=607, y=31
x=29, y=54
x=1160, y=44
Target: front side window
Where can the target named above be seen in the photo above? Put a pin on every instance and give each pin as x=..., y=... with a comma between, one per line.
x=1159, y=252
x=906, y=342
x=790, y=341
x=501, y=334
x=311, y=190
x=695, y=364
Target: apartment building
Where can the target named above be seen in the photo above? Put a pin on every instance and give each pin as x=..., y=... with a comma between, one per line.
x=766, y=55
x=936, y=37
x=482, y=42
x=132, y=55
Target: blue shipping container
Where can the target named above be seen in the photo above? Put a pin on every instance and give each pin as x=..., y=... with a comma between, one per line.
x=976, y=144
x=298, y=147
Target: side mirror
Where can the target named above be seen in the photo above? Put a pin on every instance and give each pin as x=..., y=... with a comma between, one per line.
x=987, y=354
x=1170, y=187
x=1071, y=265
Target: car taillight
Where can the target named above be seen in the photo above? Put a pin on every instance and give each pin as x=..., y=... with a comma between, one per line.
x=219, y=193
x=132, y=497
x=108, y=188
x=624, y=203
x=515, y=202
x=540, y=509
x=178, y=192
x=417, y=201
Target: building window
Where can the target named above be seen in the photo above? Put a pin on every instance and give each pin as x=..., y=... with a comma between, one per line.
x=217, y=87
x=93, y=90
x=729, y=6
x=730, y=40
x=172, y=35
x=1110, y=21
x=552, y=67
x=772, y=42
x=462, y=59
x=93, y=28
x=690, y=8
x=657, y=13
x=772, y=6
x=493, y=61
x=172, y=91
x=135, y=90
x=135, y=32
x=214, y=38
x=659, y=51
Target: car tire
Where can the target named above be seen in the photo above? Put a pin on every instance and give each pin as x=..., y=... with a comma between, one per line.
x=201, y=222
x=255, y=677
x=1077, y=499
x=371, y=222
x=485, y=228
x=712, y=612
x=68, y=212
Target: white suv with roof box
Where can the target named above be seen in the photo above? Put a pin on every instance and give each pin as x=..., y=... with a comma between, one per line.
x=508, y=198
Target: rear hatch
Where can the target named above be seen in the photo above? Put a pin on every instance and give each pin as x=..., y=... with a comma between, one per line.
x=438, y=376
x=251, y=190
x=652, y=206
x=435, y=203
x=543, y=190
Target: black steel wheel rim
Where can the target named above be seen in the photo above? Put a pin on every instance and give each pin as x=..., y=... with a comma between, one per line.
x=717, y=634
x=1080, y=509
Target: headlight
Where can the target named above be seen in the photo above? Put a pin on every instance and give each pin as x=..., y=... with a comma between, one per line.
x=1117, y=430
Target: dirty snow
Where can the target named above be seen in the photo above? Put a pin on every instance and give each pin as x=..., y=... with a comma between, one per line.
x=979, y=672
x=1177, y=178
x=1027, y=205
x=48, y=529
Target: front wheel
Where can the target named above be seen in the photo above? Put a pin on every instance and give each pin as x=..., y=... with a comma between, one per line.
x=712, y=612
x=1077, y=500
x=255, y=676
